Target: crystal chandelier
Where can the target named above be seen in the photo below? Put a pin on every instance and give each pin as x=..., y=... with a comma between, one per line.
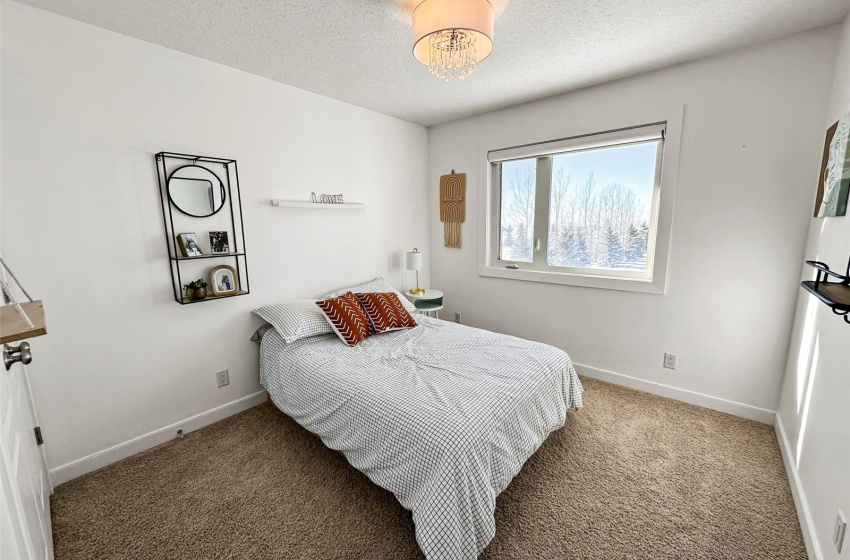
x=452, y=36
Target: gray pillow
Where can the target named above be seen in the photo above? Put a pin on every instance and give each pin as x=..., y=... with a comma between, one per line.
x=295, y=319
x=260, y=333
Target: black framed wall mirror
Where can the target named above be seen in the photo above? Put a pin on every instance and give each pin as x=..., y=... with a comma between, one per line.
x=196, y=191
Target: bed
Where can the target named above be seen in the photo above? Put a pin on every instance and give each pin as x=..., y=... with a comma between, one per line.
x=442, y=415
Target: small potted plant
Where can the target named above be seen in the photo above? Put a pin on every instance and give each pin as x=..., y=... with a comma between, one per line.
x=189, y=290
x=200, y=291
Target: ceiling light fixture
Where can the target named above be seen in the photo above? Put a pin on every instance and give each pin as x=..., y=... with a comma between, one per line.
x=452, y=36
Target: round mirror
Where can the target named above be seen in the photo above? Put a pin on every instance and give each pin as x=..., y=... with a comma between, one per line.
x=196, y=191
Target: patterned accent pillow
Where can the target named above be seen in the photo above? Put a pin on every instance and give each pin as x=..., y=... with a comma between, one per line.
x=385, y=311
x=376, y=285
x=346, y=316
x=295, y=319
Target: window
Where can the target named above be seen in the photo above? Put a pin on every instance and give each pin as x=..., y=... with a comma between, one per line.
x=579, y=210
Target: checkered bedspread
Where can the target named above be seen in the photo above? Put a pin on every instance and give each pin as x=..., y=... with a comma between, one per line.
x=442, y=415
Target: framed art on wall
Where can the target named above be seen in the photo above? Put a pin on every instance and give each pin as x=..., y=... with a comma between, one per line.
x=834, y=180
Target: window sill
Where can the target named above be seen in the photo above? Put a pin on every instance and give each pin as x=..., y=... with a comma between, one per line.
x=656, y=286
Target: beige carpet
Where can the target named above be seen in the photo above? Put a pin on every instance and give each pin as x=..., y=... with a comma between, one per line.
x=630, y=476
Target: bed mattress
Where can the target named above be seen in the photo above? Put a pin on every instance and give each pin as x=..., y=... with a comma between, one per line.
x=442, y=415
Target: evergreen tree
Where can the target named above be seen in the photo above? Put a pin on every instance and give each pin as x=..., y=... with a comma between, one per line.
x=508, y=242
x=580, y=254
x=522, y=247
x=642, y=243
x=644, y=238
x=635, y=249
x=564, y=256
x=613, y=256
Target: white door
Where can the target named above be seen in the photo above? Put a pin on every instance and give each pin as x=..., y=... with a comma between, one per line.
x=25, y=488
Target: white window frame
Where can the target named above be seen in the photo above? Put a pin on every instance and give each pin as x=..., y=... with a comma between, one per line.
x=655, y=279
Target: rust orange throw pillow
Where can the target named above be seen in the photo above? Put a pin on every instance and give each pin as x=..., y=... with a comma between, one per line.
x=385, y=311
x=346, y=317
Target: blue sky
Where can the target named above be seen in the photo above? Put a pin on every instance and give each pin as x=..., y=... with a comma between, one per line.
x=632, y=166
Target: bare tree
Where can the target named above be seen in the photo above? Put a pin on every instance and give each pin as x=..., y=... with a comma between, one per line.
x=589, y=224
x=520, y=212
x=601, y=216
x=560, y=215
x=586, y=204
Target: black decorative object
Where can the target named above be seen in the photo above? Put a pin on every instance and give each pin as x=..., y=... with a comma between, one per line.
x=196, y=190
x=217, y=179
x=834, y=294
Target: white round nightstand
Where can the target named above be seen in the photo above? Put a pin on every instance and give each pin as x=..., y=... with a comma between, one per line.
x=429, y=302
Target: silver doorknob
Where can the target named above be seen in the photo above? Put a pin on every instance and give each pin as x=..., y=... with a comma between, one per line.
x=22, y=347
x=24, y=355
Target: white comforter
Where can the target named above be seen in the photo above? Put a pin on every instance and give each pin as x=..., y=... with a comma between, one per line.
x=442, y=415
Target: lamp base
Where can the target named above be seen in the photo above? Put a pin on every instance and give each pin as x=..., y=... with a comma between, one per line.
x=416, y=292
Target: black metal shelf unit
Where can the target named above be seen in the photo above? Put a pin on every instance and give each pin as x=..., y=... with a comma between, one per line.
x=213, y=256
x=834, y=294
x=166, y=164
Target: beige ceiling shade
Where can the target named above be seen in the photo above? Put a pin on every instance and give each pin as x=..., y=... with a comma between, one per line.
x=452, y=36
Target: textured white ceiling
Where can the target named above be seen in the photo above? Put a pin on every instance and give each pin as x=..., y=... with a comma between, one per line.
x=360, y=51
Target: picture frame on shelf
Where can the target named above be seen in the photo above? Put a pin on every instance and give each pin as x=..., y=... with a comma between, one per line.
x=224, y=280
x=189, y=245
x=219, y=243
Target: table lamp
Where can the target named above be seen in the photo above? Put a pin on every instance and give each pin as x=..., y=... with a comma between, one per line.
x=414, y=262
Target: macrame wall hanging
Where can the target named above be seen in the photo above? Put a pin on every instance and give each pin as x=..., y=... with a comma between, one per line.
x=452, y=206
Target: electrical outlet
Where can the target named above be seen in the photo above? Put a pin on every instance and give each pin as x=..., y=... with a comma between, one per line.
x=838, y=531
x=670, y=360
x=222, y=378
x=458, y=317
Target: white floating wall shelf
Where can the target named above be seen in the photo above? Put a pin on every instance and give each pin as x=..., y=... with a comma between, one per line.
x=299, y=204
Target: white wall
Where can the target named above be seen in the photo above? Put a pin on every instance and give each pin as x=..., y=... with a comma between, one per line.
x=750, y=148
x=815, y=406
x=83, y=112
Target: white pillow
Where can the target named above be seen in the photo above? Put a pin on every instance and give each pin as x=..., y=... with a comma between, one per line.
x=295, y=319
x=376, y=285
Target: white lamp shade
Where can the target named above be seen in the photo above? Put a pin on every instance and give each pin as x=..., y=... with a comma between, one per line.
x=414, y=261
x=431, y=16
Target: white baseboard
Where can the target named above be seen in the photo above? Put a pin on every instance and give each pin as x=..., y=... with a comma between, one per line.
x=734, y=408
x=803, y=513
x=146, y=441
